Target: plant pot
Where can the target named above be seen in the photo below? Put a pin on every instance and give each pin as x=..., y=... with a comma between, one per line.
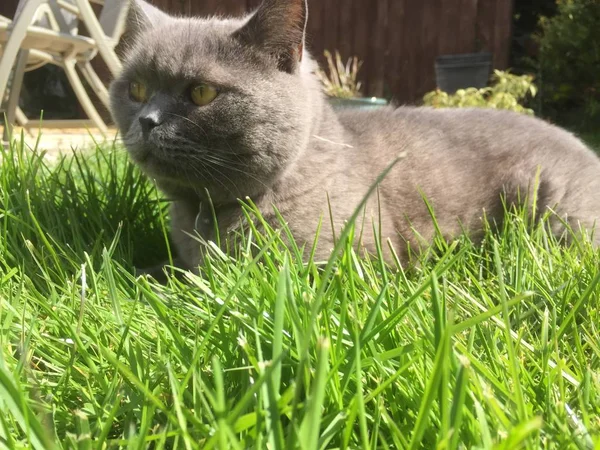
x=454, y=72
x=357, y=103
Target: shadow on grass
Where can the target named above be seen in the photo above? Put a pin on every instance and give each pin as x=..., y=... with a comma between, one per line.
x=73, y=209
x=592, y=138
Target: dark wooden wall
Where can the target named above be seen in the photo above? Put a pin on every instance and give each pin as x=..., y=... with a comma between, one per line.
x=398, y=40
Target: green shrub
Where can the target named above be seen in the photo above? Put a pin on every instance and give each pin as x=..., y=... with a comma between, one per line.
x=570, y=57
x=507, y=92
x=342, y=79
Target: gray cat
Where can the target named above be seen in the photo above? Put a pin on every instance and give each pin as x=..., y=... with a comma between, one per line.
x=231, y=108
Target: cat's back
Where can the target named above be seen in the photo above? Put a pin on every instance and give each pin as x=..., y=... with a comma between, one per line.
x=455, y=125
x=462, y=137
x=463, y=159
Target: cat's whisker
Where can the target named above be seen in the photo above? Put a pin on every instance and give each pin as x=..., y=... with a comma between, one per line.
x=215, y=160
x=187, y=119
x=217, y=180
x=206, y=154
x=227, y=165
x=208, y=173
x=228, y=162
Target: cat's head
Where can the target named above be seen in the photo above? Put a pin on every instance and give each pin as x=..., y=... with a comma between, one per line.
x=223, y=105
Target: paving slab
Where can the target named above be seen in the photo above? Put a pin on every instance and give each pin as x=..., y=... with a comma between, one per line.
x=56, y=141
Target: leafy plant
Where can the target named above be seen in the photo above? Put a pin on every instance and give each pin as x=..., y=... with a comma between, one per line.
x=342, y=79
x=508, y=92
x=570, y=57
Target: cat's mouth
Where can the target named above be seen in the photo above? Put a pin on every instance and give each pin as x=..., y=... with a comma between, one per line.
x=194, y=167
x=156, y=161
x=166, y=164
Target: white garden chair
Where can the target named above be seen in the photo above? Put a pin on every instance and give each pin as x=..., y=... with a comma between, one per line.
x=46, y=31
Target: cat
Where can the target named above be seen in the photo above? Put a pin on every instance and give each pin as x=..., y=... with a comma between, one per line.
x=222, y=109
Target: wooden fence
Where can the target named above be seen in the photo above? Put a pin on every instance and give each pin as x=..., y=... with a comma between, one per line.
x=398, y=40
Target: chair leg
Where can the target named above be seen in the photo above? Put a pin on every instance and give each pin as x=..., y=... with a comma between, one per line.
x=18, y=30
x=94, y=80
x=21, y=118
x=15, y=92
x=105, y=50
x=82, y=96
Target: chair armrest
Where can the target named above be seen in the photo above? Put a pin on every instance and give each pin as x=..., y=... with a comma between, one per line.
x=105, y=44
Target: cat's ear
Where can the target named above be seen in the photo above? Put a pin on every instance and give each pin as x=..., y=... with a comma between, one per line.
x=142, y=16
x=278, y=27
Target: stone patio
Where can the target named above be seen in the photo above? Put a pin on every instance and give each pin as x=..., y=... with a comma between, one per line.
x=63, y=140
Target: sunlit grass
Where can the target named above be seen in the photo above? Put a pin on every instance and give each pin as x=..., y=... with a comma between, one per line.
x=489, y=345
x=592, y=139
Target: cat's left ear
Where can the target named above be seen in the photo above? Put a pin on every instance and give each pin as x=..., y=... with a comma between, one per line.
x=278, y=27
x=142, y=16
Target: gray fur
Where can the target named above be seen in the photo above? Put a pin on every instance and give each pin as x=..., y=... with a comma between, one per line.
x=271, y=136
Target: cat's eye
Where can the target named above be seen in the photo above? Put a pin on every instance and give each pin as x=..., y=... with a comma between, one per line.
x=138, y=91
x=203, y=94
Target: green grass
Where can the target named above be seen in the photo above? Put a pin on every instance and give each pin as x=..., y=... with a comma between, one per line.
x=494, y=345
x=592, y=139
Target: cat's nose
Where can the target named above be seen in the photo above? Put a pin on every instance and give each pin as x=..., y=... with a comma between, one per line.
x=149, y=122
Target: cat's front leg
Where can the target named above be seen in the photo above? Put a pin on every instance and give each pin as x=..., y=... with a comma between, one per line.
x=188, y=226
x=184, y=236
x=160, y=271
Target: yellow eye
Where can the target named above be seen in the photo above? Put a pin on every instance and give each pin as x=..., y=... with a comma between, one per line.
x=138, y=92
x=203, y=94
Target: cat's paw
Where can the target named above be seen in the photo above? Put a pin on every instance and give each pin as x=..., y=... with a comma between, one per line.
x=158, y=273
x=161, y=272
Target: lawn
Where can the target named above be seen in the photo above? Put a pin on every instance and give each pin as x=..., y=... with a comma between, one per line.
x=489, y=345
x=592, y=139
